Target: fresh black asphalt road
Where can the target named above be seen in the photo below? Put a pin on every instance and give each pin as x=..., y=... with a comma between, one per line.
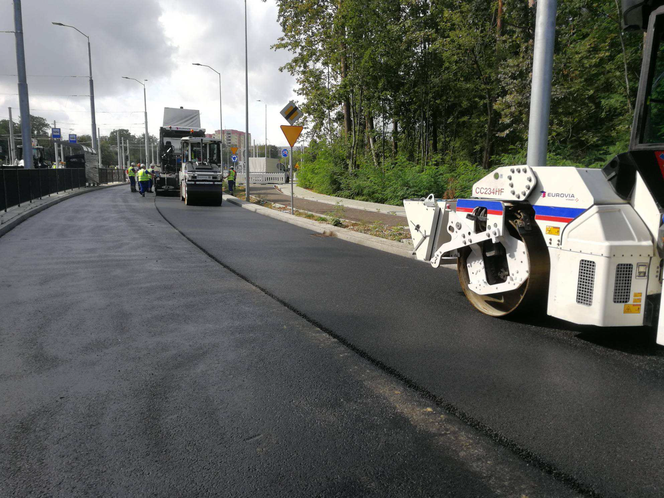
x=584, y=405
x=133, y=364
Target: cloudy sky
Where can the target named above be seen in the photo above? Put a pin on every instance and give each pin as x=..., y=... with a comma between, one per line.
x=155, y=40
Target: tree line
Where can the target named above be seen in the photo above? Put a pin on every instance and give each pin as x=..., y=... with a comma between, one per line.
x=403, y=98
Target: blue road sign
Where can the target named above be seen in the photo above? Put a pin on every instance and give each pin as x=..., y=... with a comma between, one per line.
x=234, y=158
x=55, y=133
x=284, y=152
x=72, y=138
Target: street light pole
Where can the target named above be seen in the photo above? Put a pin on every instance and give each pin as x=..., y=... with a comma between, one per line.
x=145, y=104
x=221, y=115
x=246, y=97
x=23, y=98
x=540, y=99
x=95, y=142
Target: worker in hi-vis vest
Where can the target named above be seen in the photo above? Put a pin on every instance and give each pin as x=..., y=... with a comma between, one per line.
x=143, y=180
x=152, y=176
x=131, y=173
x=231, y=180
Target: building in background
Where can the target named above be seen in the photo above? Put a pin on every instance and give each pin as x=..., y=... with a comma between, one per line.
x=234, y=138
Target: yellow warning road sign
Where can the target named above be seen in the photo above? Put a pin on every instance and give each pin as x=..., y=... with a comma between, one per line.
x=292, y=133
x=233, y=150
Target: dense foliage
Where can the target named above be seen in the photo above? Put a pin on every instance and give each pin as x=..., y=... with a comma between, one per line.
x=408, y=97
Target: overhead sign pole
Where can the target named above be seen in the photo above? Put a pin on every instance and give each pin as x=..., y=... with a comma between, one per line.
x=55, y=134
x=12, y=140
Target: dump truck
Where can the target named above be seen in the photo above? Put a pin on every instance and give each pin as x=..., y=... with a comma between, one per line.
x=582, y=245
x=178, y=123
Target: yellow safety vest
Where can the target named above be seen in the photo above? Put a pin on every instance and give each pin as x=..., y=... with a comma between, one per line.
x=131, y=171
x=231, y=176
x=143, y=176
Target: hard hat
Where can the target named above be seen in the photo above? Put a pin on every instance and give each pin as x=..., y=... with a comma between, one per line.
x=133, y=164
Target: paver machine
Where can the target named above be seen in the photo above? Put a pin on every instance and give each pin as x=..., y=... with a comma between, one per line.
x=178, y=123
x=582, y=245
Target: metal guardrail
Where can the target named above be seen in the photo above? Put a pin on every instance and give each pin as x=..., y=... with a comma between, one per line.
x=19, y=186
x=263, y=178
x=108, y=175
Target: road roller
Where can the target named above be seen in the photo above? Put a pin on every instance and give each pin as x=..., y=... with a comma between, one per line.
x=201, y=176
x=582, y=245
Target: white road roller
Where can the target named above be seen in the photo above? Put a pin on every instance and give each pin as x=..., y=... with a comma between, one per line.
x=584, y=245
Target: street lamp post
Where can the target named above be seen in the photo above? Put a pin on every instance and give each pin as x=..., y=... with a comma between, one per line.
x=221, y=116
x=259, y=100
x=246, y=98
x=246, y=102
x=145, y=104
x=95, y=143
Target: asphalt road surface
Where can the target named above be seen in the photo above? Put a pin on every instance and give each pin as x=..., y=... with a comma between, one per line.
x=133, y=364
x=583, y=405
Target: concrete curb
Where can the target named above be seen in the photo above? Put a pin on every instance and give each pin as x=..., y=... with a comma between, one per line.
x=8, y=226
x=323, y=228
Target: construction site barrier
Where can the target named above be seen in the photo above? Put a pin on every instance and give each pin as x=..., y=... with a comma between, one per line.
x=19, y=186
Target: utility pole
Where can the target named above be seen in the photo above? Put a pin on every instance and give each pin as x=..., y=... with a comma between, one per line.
x=12, y=140
x=99, y=145
x=540, y=99
x=23, y=98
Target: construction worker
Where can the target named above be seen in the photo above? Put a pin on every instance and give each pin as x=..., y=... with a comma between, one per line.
x=131, y=173
x=151, y=181
x=231, y=180
x=143, y=179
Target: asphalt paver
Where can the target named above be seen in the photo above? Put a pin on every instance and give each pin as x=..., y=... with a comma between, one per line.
x=133, y=364
x=582, y=404
x=271, y=194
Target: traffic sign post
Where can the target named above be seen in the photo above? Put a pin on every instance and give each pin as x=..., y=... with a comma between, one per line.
x=234, y=158
x=72, y=138
x=292, y=133
x=55, y=133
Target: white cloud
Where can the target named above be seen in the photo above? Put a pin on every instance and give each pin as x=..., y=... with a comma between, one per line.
x=155, y=40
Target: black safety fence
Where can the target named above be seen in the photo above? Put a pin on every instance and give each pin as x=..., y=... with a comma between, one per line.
x=108, y=175
x=19, y=186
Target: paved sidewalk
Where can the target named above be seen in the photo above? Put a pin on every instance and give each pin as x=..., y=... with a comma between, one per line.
x=302, y=193
x=342, y=211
